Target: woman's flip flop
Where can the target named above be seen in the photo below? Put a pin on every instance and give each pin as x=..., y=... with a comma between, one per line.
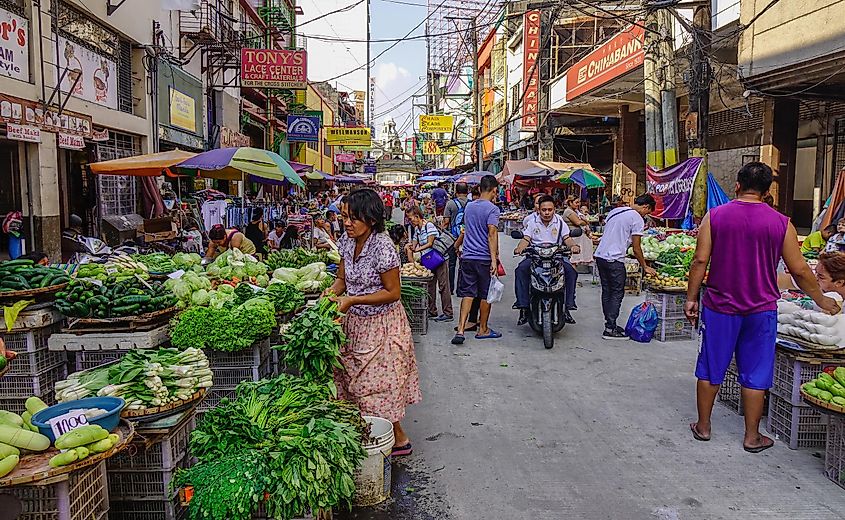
x=490, y=335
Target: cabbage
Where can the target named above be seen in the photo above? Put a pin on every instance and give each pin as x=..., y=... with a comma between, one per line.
x=226, y=273
x=219, y=299
x=333, y=256
x=286, y=274
x=225, y=288
x=255, y=269
x=214, y=271
x=262, y=280
x=200, y=297
x=311, y=271
x=308, y=286
x=181, y=289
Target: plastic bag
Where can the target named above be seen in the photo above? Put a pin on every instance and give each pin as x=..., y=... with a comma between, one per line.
x=642, y=323
x=496, y=290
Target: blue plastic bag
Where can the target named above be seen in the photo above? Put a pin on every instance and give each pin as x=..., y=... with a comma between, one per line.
x=642, y=323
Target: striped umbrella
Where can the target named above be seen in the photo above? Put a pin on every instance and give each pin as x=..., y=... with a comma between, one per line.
x=233, y=164
x=582, y=177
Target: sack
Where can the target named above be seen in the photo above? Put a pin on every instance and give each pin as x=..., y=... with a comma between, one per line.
x=496, y=290
x=642, y=323
x=458, y=221
x=432, y=259
x=443, y=243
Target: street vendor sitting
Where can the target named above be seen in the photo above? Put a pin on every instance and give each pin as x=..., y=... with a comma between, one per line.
x=815, y=242
x=222, y=239
x=837, y=241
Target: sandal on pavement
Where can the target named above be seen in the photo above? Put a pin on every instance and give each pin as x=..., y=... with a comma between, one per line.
x=694, y=429
x=458, y=339
x=473, y=328
x=401, y=451
x=762, y=447
x=490, y=335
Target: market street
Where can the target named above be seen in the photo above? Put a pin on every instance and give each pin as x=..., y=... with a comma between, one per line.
x=589, y=430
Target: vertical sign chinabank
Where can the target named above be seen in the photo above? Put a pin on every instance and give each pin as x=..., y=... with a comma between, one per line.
x=530, y=70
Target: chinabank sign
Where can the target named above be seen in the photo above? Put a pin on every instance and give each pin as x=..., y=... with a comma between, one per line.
x=303, y=129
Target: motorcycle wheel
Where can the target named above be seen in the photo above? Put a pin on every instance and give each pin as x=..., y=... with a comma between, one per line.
x=548, y=333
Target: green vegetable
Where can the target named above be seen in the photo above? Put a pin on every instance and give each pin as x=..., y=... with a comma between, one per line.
x=6, y=450
x=224, y=329
x=838, y=400
x=8, y=464
x=285, y=297
x=811, y=390
x=21, y=438
x=11, y=418
x=82, y=452
x=63, y=459
x=839, y=375
x=34, y=405
x=101, y=446
x=312, y=341
x=825, y=395
x=81, y=436
x=837, y=389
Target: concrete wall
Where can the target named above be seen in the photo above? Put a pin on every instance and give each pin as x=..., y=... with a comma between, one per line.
x=724, y=164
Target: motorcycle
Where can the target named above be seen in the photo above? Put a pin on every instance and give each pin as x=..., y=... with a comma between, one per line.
x=547, y=310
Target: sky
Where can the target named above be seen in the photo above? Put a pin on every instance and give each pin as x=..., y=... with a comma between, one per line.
x=399, y=73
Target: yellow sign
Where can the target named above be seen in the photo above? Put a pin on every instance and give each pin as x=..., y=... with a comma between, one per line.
x=356, y=148
x=343, y=136
x=431, y=148
x=437, y=124
x=182, y=110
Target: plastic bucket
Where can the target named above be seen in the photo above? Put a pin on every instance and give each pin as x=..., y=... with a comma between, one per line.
x=372, y=478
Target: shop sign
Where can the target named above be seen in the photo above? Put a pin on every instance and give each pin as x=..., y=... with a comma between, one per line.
x=436, y=124
x=87, y=75
x=672, y=188
x=14, y=45
x=303, y=129
x=31, y=134
x=619, y=55
x=274, y=68
x=348, y=136
x=172, y=135
x=345, y=158
x=100, y=135
x=431, y=148
x=71, y=142
x=23, y=112
x=182, y=110
x=232, y=139
x=530, y=70
x=357, y=148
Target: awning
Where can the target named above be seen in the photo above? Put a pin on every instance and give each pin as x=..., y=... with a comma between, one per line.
x=438, y=171
x=148, y=165
x=299, y=167
x=526, y=169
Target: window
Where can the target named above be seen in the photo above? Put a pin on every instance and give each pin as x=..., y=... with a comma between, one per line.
x=313, y=146
x=516, y=94
x=327, y=150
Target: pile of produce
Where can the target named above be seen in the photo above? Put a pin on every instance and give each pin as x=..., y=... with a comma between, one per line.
x=283, y=443
x=237, y=266
x=229, y=328
x=829, y=386
x=186, y=286
x=300, y=257
x=119, y=266
x=83, y=298
x=312, y=342
x=414, y=270
x=285, y=297
x=17, y=433
x=144, y=378
x=188, y=262
x=311, y=278
x=675, y=263
x=23, y=275
x=653, y=246
x=157, y=262
x=661, y=281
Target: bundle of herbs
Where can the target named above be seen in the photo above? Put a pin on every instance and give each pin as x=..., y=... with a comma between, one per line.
x=284, y=442
x=312, y=341
x=228, y=329
x=285, y=297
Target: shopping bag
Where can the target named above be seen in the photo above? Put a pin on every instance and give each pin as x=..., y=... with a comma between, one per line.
x=496, y=290
x=432, y=260
x=642, y=323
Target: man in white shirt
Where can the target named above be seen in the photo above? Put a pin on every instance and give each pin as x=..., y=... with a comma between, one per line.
x=275, y=237
x=543, y=227
x=623, y=227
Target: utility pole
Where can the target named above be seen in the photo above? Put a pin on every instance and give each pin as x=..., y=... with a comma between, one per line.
x=699, y=110
x=668, y=100
x=652, y=86
x=476, y=96
x=369, y=75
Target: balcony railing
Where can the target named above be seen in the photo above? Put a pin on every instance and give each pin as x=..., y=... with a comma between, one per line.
x=213, y=22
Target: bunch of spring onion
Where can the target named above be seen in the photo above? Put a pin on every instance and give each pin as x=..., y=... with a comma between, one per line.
x=144, y=378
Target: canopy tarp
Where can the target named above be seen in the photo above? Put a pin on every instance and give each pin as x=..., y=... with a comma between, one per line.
x=232, y=164
x=469, y=178
x=536, y=169
x=148, y=165
x=835, y=208
x=299, y=167
x=438, y=171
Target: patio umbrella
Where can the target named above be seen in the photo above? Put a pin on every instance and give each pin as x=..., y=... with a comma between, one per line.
x=583, y=177
x=233, y=164
x=469, y=178
x=148, y=165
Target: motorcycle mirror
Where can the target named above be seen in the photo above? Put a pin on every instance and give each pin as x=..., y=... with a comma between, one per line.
x=517, y=234
x=576, y=232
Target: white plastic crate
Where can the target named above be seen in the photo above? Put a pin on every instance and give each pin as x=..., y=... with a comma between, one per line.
x=83, y=495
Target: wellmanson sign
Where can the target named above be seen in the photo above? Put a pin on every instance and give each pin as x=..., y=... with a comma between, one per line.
x=619, y=55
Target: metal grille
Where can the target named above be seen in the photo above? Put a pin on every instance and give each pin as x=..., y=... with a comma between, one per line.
x=839, y=145
x=124, y=78
x=117, y=194
x=15, y=6
x=736, y=121
x=78, y=27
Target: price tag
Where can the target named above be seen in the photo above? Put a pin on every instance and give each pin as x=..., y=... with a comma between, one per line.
x=66, y=422
x=175, y=275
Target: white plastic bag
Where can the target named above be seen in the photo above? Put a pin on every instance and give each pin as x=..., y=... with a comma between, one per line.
x=496, y=291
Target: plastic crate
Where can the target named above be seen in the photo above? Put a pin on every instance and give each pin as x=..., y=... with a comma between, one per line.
x=132, y=485
x=40, y=385
x=834, y=452
x=225, y=378
x=419, y=322
x=797, y=426
x=83, y=496
x=253, y=356
x=633, y=284
x=162, y=452
x=94, y=358
x=791, y=372
x=147, y=510
x=668, y=305
x=212, y=399
x=33, y=355
x=674, y=329
x=730, y=393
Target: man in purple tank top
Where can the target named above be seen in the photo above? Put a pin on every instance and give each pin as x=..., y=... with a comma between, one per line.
x=743, y=242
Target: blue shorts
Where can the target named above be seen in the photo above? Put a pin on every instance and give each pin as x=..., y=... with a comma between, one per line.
x=473, y=279
x=751, y=338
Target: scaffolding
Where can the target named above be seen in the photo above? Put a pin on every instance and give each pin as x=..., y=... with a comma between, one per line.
x=446, y=25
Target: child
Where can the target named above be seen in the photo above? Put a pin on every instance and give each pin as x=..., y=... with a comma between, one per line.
x=815, y=242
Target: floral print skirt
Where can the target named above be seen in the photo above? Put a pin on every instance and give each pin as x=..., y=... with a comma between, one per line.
x=380, y=368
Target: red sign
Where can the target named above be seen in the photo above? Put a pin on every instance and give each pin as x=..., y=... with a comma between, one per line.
x=345, y=158
x=274, y=68
x=28, y=133
x=530, y=70
x=619, y=55
x=71, y=142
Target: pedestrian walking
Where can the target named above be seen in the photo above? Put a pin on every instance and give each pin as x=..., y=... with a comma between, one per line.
x=425, y=233
x=743, y=242
x=440, y=196
x=623, y=228
x=479, y=259
x=453, y=222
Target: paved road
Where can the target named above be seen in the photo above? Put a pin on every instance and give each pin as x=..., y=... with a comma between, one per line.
x=589, y=430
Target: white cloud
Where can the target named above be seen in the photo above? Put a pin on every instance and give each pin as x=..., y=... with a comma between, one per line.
x=387, y=73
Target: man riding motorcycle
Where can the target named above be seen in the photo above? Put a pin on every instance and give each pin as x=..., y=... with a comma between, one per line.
x=544, y=226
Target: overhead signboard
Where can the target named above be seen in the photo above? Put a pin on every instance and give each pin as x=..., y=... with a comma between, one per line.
x=274, y=68
x=348, y=136
x=436, y=124
x=14, y=45
x=619, y=55
x=71, y=142
x=87, y=74
x=531, y=70
x=182, y=110
x=431, y=148
x=232, y=138
x=303, y=129
x=345, y=158
x=27, y=133
x=21, y=111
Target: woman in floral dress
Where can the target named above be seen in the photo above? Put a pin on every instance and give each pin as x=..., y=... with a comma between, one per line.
x=379, y=367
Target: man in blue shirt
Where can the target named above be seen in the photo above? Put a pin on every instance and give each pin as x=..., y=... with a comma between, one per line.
x=479, y=258
x=440, y=197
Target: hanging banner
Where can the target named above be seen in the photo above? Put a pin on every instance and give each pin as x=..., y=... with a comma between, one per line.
x=100, y=136
x=87, y=75
x=436, y=124
x=71, y=142
x=30, y=134
x=431, y=148
x=182, y=110
x=530, y=70
x=345, y=158
x=303, y=129
x=21, y=111
x=619, y=55
x=274, y=68
x=14, y=45
x=230, y=138
x=348, y=136
x=672, y=188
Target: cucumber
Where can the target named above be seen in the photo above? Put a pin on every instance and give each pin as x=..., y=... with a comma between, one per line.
x=81, y=309
x=18, y=262
x=126, y=310
x=128, y=300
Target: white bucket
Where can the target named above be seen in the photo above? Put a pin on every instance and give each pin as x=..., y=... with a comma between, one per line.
x=372, y=478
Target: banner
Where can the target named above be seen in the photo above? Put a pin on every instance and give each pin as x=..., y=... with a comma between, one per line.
x=27, y=133
x=88, y=75
x=348, y=136
x=303, y=129
x=531, y=70
x=345, y=158
x=21, y=111
x=14, y=45
x=672, y=188
x=436, y=124
x=182, y=110
x=617, y=56
x=274, y=68
x=71, y=142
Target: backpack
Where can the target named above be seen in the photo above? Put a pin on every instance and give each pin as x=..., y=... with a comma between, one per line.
x=458, y=221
